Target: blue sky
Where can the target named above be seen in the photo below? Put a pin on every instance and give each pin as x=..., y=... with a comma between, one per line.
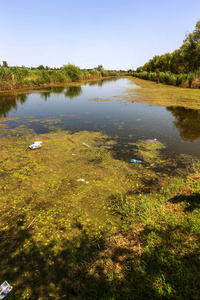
x=119, y=34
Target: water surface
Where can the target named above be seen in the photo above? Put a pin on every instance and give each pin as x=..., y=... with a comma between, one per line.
x=103, y=106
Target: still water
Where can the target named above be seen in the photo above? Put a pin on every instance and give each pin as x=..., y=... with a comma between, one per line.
x=102, y=106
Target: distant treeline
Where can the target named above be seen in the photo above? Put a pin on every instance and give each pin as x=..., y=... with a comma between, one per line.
x=22, y=77
x=181, y=67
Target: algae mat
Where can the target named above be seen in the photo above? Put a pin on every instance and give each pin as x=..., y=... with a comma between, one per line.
x=162, y=95
x=66, y=195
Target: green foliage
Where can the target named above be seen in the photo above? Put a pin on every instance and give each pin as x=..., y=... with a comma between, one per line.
x=73, y=72
x=44, y=77
x=95, y=73
x=59, y=76
x=186, y=59
x=191, y=49
x=5, y=64
x=104, y=73
x=16, y=77
x=40, y=67
x=184, y=80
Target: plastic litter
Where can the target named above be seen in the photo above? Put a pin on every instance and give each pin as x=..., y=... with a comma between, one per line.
x=84, y=144
x=35, y=145
x=136, y=161
x=152, y=141
x=40, y=142
x=81, y=179
x=5, y=288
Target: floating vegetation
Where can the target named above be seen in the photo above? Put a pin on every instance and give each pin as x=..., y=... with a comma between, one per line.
x=99, y=100
x=162, y=95
x=80, y=223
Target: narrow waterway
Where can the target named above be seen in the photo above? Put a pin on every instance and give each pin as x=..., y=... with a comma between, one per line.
x=103, y=106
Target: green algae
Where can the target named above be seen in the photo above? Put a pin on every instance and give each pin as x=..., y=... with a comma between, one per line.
x=72, y=215
x=162, y=95
x=64, y=183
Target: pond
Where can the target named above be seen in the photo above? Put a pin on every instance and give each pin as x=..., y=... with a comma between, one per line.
x=113, y=106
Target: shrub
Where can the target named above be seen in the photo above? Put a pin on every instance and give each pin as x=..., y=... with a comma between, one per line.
x=73, y=72
x=95, y=73
x=59, y=76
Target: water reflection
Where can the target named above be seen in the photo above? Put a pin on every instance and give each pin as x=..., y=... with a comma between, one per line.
x=73, y=91
x=69, y=92
x=45, y=95
x=125, y=118
x=9, y=102
x=57, y=90
x=187, y=121
x=101, y=82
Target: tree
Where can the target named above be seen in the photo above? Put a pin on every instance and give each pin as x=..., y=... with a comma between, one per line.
x=184, y=59
x=40, y=67
x=191, y=49
x=5, y=64
x=100, y=68
x=178, y=65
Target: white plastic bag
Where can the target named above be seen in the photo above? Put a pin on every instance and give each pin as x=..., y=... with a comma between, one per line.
x=5, y=288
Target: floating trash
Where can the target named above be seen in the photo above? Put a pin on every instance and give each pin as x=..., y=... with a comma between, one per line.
x=35, y=145
x=84, y=144
x=40, y=142
x=152, y=141
x=81, y=179
x=136, y=161
x=5, y=288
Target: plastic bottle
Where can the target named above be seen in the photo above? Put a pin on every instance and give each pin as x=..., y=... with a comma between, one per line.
x=136, y=161
x=84, y=144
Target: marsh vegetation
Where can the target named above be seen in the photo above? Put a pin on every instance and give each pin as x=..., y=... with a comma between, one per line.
x=21, y=77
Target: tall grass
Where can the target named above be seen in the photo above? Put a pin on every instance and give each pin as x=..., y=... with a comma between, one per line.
x=21, y=77
x=189, y=80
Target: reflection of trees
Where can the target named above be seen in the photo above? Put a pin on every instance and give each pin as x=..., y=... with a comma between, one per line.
x=45, y=95
x=22, y=98
x=49, y=90
x=7, y=102
x=73, y=91
x=58, y=89
x=187, y=121
x=102, y=81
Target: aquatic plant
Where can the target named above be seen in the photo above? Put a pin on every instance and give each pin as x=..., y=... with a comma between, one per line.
x=78, y=223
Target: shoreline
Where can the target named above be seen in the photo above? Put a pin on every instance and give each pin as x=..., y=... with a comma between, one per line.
x=52, y=84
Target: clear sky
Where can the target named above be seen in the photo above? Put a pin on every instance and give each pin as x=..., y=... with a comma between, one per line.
x=118, y=34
